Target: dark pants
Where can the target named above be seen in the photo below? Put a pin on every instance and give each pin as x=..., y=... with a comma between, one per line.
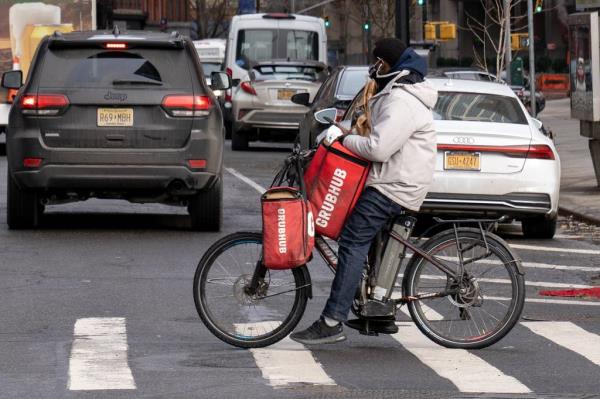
x=369, y=216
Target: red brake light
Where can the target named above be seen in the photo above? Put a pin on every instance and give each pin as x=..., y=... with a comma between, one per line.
x=43, y=104
x=116, y=46
x=540, y=152
x=339, y=114
x=186, y=105
x=32, y=162
x=247, y=87
x=197, y=163
x=229, y=72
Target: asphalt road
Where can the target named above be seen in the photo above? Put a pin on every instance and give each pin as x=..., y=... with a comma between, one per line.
x=101, y=297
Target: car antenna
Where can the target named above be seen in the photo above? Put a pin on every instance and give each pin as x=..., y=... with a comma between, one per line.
x=116, y=30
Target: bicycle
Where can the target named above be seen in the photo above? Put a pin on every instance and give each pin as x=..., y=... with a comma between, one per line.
x=253, y=307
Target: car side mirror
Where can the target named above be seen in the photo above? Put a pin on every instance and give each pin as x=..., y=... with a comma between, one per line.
x=301, y=99
x=12, y=79
x=220, y=81
x=326, y=116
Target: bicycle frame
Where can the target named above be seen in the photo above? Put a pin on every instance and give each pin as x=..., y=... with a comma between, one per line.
x=330, y=257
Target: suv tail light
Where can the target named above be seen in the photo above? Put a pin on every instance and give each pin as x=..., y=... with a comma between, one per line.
x=43, y=104
x=248, y=88
x=186, y=105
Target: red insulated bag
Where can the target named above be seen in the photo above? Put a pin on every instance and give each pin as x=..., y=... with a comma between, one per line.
x=288, y=228
x=334, y=180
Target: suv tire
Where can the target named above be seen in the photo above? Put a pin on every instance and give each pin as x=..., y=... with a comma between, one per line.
x=239, y=140
x=23, y=209
x=206, y=208
x=539, y=227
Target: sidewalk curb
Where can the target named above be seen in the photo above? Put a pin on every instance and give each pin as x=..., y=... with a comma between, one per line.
x=584, y=218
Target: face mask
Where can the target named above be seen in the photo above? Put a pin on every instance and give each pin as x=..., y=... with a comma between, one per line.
x=374, y=69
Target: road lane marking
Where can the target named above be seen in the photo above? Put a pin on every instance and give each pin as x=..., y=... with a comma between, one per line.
x=286, y=362
x=570, y=336
x=429, y=313
x=468, y=372
x=554, y=249
x=98, y=358
x=247, y=180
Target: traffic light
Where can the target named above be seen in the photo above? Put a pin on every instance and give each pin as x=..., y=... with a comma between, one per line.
x=420, y=3
x=367, y=25
x=429, y=30
x=327, y=22
x=538, y=5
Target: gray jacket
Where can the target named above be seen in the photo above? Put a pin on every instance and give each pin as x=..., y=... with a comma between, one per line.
x=402, y=143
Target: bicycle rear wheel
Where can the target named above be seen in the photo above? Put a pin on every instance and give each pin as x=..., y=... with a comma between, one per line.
x=233, y=313
x=488, y=300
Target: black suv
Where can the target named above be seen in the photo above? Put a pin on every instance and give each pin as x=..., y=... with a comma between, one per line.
x=112, y=115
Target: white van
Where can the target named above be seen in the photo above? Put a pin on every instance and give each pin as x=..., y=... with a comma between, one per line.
x=211, y=53
x=263, y=37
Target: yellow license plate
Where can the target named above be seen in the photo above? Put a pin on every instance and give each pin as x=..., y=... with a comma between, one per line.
x=285, y=94
x=462, y=161
x=115, y=116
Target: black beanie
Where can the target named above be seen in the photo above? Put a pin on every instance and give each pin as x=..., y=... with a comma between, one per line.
x=389, y=49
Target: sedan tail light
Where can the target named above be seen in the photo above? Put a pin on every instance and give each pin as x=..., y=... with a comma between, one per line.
x=44, y=104
x=248, y=88
x=186, y=105
x=538, y=151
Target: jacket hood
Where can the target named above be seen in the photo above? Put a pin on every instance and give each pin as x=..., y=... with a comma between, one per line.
x=410, y=60
x=424, y=91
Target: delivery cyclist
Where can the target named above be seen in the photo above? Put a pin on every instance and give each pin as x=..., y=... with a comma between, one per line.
x=402, y=147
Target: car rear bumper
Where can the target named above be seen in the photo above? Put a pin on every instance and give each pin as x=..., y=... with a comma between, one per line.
x=512, y=204
x=114, y=178
x=272, y=119
x=118, y=169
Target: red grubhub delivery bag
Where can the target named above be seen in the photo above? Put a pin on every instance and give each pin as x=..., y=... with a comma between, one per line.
x=288, y=228
x=334, y=180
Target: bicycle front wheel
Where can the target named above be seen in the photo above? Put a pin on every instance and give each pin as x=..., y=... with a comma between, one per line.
x=243, y=317
x=486, y=300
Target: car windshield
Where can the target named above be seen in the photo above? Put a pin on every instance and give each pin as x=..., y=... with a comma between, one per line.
x=210, y=67
x=289, y=72
x=352, y=81
x=255, y=45
x=478, y=107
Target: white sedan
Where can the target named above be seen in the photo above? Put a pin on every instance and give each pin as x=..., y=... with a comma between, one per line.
x=493, y=159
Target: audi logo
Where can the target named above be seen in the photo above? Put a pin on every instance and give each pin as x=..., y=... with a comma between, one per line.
x=463, y=140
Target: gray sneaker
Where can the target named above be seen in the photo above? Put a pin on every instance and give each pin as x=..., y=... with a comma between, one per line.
x=320, y=333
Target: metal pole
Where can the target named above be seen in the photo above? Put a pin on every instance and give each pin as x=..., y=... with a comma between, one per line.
x=402, y=21
x=507, y=48
x=293, y=6
x=531, y=57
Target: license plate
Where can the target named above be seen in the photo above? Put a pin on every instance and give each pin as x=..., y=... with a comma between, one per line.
x=115, y=116
x=462, y=161
x=285, y=94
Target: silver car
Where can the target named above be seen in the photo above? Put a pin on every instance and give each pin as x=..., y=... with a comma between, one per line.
x=262, y=105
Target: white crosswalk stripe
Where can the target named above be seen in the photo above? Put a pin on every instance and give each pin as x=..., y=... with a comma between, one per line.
x=570, y=336
x=98, y=358
x=467, y=371
x=286, y=362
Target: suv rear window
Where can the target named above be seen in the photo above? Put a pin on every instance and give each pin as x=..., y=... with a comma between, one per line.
x=92, y=68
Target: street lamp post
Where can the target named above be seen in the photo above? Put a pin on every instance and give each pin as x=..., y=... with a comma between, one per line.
x=531, y=57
